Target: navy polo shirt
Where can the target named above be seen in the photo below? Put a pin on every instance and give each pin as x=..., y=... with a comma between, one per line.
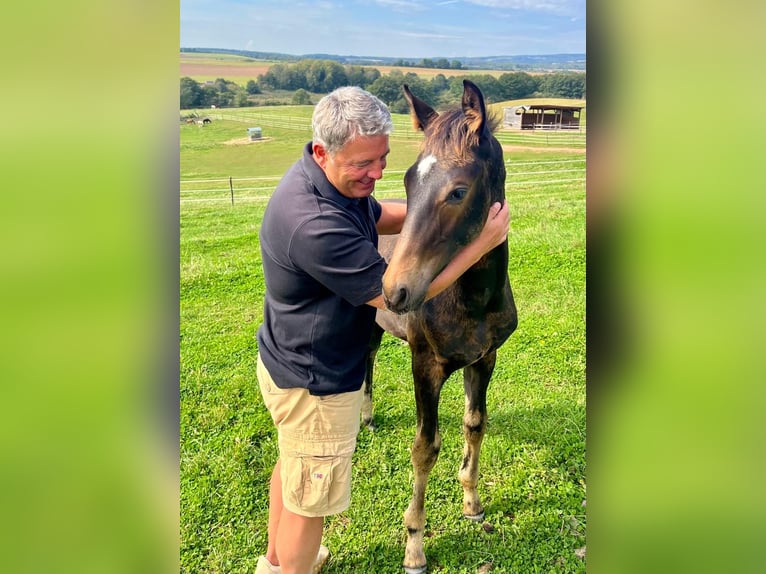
x=321, y=266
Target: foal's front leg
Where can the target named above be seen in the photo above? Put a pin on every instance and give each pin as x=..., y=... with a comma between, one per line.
x=425, y=452
x=475, y=382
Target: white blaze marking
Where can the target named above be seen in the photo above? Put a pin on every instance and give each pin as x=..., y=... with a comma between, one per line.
x=425, y=166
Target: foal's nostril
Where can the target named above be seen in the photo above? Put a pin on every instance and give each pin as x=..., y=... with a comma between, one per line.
x=404, y=295
x=397, y=302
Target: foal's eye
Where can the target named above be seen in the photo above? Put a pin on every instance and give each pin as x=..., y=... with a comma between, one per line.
x=457, y=195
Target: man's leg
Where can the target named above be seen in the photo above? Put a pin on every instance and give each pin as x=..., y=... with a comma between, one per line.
x=304, y=422
x=298, y=542
x=293, y=539
x=275, y=513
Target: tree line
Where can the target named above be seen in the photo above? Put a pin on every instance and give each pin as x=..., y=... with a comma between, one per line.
x=322, y=76
x=438, y=63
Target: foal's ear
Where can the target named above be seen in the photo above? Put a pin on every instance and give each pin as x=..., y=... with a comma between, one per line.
x=473, y=107
x=420, y=112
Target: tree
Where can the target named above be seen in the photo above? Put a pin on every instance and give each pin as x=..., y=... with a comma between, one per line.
x=301, y=97
x=361, y=76
x=221, y=85
x=319, y=75
x=356, y=77
x=488, y=85
x=314, y=74
x=370, y=75
x=191, y=93
x=335, y=76
x=517, y=85
x=388, y=88
x=252, y=87
x=209, y=96
x=281, y=77
x=439, y=84
x=242, y=100
x=563, y=85
x=420, y=87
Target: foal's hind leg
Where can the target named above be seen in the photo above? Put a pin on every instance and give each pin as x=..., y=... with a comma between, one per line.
x=475, y=382
x=377, y=336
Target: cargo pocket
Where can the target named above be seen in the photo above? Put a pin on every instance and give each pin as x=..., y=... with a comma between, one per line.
x=339, y=497
x=310, y=482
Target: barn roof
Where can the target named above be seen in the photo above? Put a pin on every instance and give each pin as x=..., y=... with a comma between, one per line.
x=547, y=103
x=553, y=107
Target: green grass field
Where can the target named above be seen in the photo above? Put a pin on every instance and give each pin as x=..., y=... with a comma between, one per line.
x=532, y=472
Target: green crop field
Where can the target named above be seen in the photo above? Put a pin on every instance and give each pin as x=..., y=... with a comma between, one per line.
x=532, y=471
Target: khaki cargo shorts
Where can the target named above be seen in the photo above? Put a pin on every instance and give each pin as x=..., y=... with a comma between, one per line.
x=317, y=438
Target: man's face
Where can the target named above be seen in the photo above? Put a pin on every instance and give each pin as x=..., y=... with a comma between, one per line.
x=354, y=168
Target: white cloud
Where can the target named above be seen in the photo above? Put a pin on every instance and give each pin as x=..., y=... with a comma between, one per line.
x=550, y=6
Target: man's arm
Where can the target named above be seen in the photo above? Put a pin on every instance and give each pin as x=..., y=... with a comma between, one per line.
x=494, y=233
x=391, y=217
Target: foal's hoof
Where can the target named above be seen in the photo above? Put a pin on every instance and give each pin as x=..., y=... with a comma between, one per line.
x=475, y=517
x=415, y=570
x=369, y=424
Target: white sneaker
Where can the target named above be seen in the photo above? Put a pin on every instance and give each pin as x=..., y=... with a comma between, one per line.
x=266, y=567
x=322, y=556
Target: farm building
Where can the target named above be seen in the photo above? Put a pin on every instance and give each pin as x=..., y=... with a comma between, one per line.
x=535, y=116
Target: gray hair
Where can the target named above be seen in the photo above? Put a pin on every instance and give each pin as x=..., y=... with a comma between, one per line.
x=346, y=113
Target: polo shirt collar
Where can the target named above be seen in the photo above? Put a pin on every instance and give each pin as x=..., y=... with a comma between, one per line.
x=320, y=181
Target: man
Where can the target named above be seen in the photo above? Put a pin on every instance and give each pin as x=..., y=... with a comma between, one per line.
x=323, y=284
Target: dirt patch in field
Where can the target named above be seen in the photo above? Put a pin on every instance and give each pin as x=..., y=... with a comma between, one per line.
x=512, y=148
x=245, y=141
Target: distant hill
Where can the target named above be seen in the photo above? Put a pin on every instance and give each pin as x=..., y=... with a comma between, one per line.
x=528, y=62
x=542, y=62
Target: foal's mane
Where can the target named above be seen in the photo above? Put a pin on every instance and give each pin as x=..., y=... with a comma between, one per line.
x=449, y=134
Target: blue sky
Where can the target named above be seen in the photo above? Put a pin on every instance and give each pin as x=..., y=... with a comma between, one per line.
x=396, y=28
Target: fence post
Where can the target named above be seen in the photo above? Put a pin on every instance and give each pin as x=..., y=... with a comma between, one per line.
x=231, y=187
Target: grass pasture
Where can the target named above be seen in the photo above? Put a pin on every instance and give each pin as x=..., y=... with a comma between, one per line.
x=532, y=472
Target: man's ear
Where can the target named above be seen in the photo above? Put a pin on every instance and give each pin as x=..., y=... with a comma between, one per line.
x=320, y=154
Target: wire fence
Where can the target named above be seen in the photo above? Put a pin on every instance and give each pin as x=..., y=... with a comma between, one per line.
x=533, y=175
x=403, y=129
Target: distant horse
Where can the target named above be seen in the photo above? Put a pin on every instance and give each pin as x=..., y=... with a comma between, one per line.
x=458, y=175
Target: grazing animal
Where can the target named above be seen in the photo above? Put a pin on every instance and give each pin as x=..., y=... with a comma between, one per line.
x=458, y=175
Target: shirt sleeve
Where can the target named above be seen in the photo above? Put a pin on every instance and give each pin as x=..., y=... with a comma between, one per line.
x=377, y=209
x=336, y=253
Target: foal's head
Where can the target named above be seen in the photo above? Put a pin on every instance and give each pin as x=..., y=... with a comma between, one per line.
x=458, y=175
